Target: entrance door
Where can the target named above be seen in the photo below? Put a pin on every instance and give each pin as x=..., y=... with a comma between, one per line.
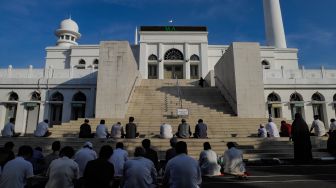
x=194, y=72
x=318, y=110
x=10, y=112
x=152, y=72
x=173, y=71
x=78, y=111
x=32, y=118
x=56, y=114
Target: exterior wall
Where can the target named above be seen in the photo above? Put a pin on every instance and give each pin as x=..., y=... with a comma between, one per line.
x=306, y=83
x=45, y=81
x=117, y=78
x=88, y=53
x=239, y=77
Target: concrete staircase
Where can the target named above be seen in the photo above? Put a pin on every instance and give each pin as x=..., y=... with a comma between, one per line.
x=156, y=101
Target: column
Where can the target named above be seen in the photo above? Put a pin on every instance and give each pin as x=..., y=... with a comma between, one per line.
x=275, y=33
x=204, y=69
x=186, y=65
x=161, y=62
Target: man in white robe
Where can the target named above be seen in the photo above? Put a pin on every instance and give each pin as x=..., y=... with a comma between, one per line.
x=272, y=128
x=318, y=126
x=208, y=161
x=166, y=131
x=233, y=160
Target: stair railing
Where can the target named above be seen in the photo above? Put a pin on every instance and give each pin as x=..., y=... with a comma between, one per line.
x=178, y=91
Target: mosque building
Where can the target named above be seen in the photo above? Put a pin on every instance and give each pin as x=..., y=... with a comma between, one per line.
x=78, y=80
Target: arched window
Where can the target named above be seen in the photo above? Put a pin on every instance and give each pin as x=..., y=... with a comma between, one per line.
x=296, y=97
x=35, y=96
x=265, y=64
x=95, y=62
x=152, y=57
x=173, y=54
x=79, y=97
x=273, y=97
x=194, y=58
x=57, y=97
x=82, y=62
x=317, y=97
x=334, y=98
x=13, y=96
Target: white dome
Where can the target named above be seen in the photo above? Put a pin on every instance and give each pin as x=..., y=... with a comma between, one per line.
x=69, y=24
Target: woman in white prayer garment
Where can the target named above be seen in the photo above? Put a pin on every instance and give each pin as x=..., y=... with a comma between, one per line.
x=233, y=161
x=208, y=161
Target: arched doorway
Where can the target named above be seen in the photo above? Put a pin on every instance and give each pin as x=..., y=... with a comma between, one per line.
x=78, y=106
x=33, y=109
x=11, y=106
x=274, y=105
x=173, y=67
x=152, y=67
x=296, y=104
x=56, y=108
x=194, y=64
x=318, y=103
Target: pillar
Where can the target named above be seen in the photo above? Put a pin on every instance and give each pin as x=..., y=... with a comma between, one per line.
x=161, y=62
x=275, y=33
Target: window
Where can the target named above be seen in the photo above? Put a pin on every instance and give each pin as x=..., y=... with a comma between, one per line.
x=79, y=97
x=317, y=97
x=274, y=105
x=35, y=96
x=13, y=96
x=96, y=62
x=73, y=38
x=152, y=58
x=81, y=64
x=67, y=37
x=194, y=58
x=273, y=97
x=296, y=105
x=57, y=97
x=173, y=54
x=265, y=64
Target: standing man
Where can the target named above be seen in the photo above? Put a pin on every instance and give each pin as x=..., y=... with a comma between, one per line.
x=131, y=129
x=83, y=156
x=42, y=129
x=272, y=128
x=85, y=130
x=182, y=170
x=318, y=127
x=8, y=130
x=101, y=130
x=183, y=130
x=201, y=130
x=16, y=172
x=139, y=172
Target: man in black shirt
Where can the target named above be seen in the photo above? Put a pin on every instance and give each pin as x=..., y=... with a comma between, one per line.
x=150, y=153
x=100, y=172
x=131, y=129
x=85, y=130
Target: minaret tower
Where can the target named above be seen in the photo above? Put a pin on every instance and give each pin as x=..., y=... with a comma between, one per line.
x=275, y=33
x=68, y=33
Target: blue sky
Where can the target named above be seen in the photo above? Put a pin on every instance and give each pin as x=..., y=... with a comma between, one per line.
x=27, y=26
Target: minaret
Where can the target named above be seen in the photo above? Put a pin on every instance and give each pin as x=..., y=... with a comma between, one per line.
x=275, y=33
x=68, y=33
x=136, y=36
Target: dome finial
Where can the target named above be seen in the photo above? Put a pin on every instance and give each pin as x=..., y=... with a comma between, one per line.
x=70, y=16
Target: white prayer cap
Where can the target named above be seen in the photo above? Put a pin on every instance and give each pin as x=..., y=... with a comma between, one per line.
x=88, y=144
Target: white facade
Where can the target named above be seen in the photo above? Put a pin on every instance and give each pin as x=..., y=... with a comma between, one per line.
x=72, y=69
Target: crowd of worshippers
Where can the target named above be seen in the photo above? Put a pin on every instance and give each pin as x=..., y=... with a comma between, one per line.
x=320, y=129
x=130, y=130
x=42, y=129
x=65, y=168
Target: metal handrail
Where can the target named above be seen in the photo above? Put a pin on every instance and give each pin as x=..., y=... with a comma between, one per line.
x=178, y=90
